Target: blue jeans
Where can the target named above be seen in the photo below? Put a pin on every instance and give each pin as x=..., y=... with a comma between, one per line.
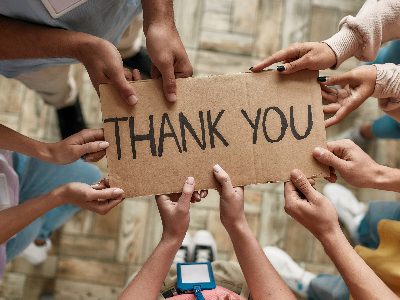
x=37, y=178
x=386, y=128
x=332, y=287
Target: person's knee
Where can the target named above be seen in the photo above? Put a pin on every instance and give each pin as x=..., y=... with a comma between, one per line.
x=87, y=172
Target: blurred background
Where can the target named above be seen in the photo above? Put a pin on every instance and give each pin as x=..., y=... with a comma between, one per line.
x=93, y=255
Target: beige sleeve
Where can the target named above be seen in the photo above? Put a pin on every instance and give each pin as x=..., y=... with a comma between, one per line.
x=361, y=36
x=387, y=89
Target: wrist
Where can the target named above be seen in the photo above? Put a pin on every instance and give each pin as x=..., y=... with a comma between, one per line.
x=385, y=178
x=171, y=240
x=56, y=196
x=155, y=24
x=237, y=228
x=85, y=44
x=329, y=239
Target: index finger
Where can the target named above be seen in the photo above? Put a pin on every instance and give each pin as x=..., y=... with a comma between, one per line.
x=281, y=55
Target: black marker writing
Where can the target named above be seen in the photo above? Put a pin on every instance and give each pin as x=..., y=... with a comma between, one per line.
x=142, y=137
x=165, y=120
x=309, y=124
x=212, y=129
x=116, y=131
x=184, y=123
x=253, y=125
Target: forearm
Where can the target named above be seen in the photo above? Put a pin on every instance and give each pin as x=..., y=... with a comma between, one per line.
x=17, y=38
x=386, y=178
x=362, y=36
x=14, y=219
x=261, y=277
x=157, y=11
x=147, y=283
x=14, y=141
x=361, y=280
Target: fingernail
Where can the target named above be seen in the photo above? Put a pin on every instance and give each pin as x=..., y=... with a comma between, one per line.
x=321, y=79
x=295, y=174
x=203, y=194
x=104, y=145
x=171, y=97
x=132, y=99
x=251, y=68
x=197, y=196
x=319, y=151
x=190, y=180
x=217, y=168
x=280, y=68
x=118, y=191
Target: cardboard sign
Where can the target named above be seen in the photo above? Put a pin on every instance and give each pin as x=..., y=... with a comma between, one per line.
x=258, y=127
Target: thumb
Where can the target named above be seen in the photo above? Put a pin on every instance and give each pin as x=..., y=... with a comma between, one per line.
x=124, y=88
x=169, y=81
x=92, y=147
x=187, y=192
x=301, y=182
x=326, y=157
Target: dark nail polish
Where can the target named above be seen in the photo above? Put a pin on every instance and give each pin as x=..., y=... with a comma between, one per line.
x=280, y=68
x=251, y=68
x=321, y=79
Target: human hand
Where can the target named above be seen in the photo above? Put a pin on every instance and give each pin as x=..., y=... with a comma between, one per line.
x=103, y=63
x=88, y=143
x=353, y=164
x=99, y=198
x=168, y=56
x=231, y=200
x=300, y=56
x=357, y=85
x=175, y=216
x=309, y=207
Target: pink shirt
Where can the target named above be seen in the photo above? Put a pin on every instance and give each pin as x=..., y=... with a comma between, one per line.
x=219, y=293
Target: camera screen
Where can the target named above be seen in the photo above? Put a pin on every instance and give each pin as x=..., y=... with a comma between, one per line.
x=195, y=273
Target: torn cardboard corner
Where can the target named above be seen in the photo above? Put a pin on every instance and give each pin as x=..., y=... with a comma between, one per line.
x=258, y=127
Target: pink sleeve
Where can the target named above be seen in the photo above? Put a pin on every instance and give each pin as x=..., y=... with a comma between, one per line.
x=362, y=36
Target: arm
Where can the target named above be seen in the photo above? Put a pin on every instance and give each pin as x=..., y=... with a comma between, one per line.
x=94, y=198
x=88, y=143
x=101, y=59
x=360, y=36
x=261, y=277
x=377, y=22
x=318, y=215
x=357, y=167
x=175, y=219
x=164, y=45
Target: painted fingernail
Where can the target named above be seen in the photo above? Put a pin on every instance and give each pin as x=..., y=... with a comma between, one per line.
x=197, y=196
x=190, y=180
x=118, y=191
x=251, y=68
x=203, y=194
x=280, y=68
x=171, y=97
x=321, y=79
x=104, y=145
x=217, y=168
x=132, y=99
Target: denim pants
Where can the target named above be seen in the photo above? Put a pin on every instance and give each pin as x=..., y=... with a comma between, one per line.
x=332, y=287
x=37, y=178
